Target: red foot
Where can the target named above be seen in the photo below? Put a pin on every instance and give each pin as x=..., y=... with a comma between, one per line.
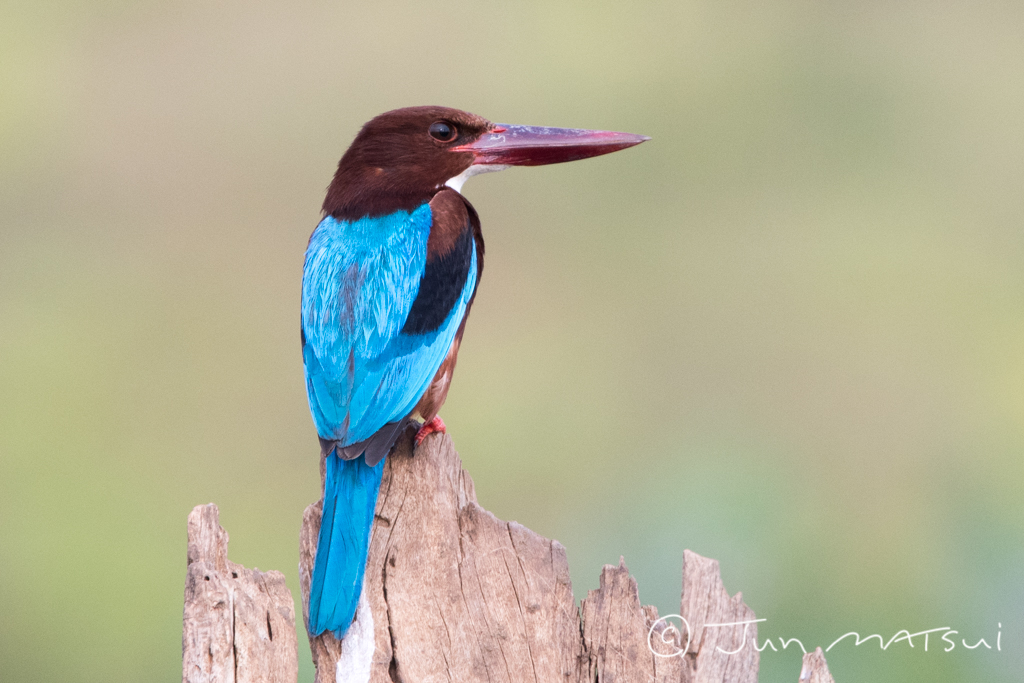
x=434, y=426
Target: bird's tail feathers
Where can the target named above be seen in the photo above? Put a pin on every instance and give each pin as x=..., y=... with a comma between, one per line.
x=350, y=497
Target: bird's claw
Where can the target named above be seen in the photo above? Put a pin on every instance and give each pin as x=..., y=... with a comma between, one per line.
x=434, y=426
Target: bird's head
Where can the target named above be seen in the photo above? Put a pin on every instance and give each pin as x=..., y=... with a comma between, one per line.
x=401, y=158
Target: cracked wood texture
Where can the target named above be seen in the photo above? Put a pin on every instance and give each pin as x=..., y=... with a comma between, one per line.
x=456, y=594
x=239, y=624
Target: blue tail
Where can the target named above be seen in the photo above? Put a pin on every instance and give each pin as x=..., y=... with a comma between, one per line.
x=350, y=496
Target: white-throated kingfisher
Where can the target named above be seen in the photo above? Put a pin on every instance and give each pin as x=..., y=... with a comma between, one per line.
x=389, y=278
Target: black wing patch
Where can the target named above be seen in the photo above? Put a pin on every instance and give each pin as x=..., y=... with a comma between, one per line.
x=441, y=284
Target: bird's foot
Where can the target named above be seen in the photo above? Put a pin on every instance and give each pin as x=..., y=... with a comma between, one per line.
x=434, y=426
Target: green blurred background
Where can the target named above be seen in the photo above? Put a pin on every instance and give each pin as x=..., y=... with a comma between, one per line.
x=787, y=333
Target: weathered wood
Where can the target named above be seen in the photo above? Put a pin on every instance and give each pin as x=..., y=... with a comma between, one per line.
x=454, y=594
x=239, y=624
x=627, y=642
x=619, y=634
x=720, y=653
x=815, y=670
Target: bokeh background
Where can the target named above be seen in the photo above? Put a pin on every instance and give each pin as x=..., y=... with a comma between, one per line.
x=787, y=333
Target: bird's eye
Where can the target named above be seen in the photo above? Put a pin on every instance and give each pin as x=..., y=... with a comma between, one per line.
x=442, y=130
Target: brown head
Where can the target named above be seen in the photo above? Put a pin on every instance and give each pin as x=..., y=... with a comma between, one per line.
x=401, y=158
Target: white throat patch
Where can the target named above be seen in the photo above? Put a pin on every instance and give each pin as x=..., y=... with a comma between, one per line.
x=476, y=169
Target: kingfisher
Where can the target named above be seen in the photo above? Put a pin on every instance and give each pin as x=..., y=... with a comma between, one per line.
x=389, y=278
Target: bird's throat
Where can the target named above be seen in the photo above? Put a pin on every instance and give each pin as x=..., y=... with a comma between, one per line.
x=458, y=181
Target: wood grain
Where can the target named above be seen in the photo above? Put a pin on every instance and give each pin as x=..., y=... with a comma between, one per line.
x=239, y=624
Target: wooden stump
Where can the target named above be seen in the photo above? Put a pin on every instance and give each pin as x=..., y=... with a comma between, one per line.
x=454, y=594
x=239, y=624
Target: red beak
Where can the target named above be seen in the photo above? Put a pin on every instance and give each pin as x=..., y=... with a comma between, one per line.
x=507, y=145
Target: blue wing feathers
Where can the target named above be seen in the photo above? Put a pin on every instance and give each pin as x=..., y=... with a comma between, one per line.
x=360, y=281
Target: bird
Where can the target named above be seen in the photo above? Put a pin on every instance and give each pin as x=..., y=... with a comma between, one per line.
x=389, y=277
